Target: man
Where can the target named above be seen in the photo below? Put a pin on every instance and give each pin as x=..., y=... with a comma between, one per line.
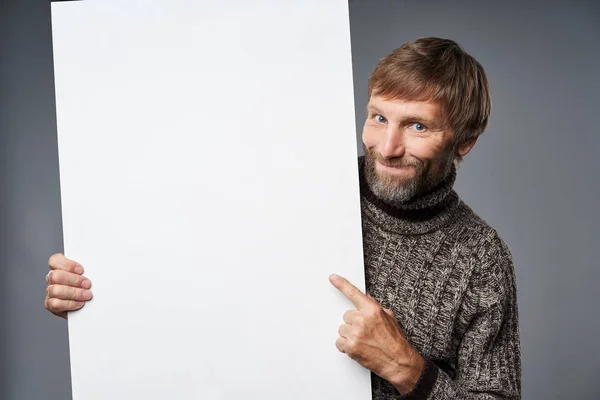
x=440, y=320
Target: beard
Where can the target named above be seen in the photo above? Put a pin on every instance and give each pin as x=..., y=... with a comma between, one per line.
x=400, y=189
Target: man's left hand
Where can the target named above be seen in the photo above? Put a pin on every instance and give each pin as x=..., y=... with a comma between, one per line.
x=372, y=337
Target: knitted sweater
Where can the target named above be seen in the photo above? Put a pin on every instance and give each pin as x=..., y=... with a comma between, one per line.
x=449, y=279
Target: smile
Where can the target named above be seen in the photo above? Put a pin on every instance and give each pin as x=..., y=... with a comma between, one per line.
x=390, y=169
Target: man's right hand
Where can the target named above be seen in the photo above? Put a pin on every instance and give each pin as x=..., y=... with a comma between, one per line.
x=67, y=289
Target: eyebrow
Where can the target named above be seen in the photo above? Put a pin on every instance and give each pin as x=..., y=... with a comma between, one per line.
x=373, y=108
x=415, y=118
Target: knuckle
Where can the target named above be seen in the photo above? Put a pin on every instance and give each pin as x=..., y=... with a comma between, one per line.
x=359, y=334
x=49, y=277
x=347, y=316
x=351, y=345
x=374, y=310
x=368, y=313
x=359, y=322
x=75, y=294
x=54, y=304
x=65, y=278
x=351, y=292
x=55, y=259
x=54, y=276
x=51, y=290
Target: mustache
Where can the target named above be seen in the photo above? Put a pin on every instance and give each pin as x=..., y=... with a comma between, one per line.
x=397, y=162
x=393, y=162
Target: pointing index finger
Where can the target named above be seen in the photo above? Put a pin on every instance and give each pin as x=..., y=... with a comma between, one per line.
x=352, y=293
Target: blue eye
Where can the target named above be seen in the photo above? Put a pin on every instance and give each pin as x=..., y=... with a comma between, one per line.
x=419, y=127
x=380, y=118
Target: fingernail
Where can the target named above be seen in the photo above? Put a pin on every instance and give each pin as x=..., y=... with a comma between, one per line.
x=86, y=284
x=87, y=294
x=79, y=303
x=334, y=277
x=78, y=269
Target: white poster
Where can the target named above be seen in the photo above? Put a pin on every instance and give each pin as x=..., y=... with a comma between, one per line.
x=209, y=187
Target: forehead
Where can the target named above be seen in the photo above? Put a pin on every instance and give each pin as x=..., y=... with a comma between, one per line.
x=400, y=108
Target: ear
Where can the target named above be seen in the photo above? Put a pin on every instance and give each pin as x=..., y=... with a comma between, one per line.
x=465, y=147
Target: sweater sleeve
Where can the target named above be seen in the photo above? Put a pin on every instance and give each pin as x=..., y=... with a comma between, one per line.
x=489, y=356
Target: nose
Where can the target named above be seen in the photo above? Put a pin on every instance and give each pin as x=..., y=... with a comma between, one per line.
x=393, y=144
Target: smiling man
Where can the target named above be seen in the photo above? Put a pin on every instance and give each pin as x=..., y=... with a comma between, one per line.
x=440, y=320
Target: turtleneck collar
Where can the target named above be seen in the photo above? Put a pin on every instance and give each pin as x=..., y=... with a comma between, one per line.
x=423, y=214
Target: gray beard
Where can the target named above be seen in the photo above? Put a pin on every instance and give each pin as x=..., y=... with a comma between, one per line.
x=391, y=191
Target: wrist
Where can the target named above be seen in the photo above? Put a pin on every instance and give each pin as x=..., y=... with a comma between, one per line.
x=408, y=374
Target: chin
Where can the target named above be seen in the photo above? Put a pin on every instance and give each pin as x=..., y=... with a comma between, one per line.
x=392, y=179
x=394, y=186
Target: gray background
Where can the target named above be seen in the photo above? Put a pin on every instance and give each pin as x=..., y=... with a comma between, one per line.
x=533, y=175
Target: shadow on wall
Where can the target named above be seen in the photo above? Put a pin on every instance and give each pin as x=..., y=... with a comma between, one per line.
x=34, y=357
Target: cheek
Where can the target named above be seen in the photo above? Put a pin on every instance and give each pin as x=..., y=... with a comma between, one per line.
x=370, y=136
x=433, y=154
x=417, y=149
x=423, y=149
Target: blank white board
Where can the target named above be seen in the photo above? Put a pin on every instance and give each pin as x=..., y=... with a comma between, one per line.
x=209, y=187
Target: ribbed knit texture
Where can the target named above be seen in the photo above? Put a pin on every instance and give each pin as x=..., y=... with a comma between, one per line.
x=449, y=278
